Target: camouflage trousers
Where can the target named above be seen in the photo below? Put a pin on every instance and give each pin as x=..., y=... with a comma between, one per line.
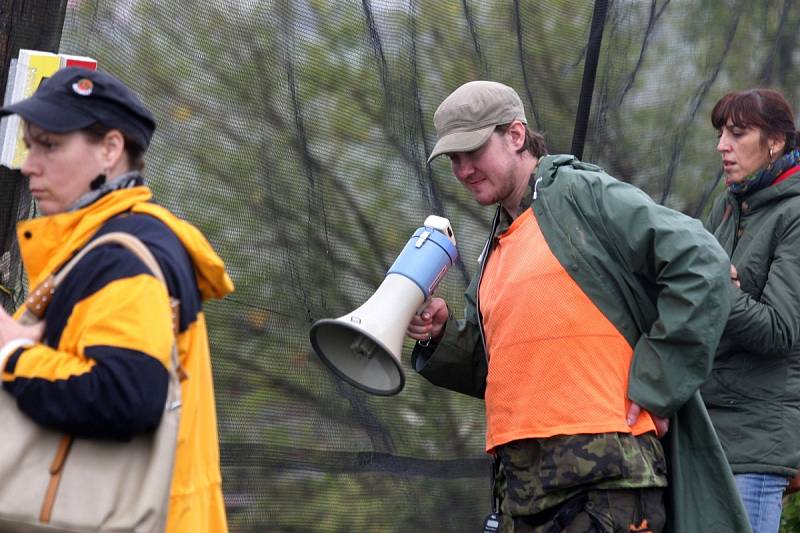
x=596, y=511
x=581, y=483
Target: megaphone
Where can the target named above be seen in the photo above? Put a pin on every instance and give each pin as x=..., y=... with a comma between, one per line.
x=364, y=347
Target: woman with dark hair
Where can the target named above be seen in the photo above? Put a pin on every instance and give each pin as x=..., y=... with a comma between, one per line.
x=98, y=365
x=753, y=394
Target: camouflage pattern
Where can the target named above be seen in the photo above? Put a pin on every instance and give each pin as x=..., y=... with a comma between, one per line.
x=597, y=511
x=538, y=474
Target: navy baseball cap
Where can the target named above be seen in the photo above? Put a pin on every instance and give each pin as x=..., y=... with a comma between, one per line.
x=74, y=98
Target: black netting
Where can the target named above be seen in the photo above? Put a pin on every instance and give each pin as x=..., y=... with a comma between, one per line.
x=294, y=133
x=22, y=25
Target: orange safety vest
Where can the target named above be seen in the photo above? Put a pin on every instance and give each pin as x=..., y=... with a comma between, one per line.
x=557, y=365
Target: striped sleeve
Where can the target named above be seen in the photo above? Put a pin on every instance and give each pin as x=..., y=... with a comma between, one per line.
x=101, y=368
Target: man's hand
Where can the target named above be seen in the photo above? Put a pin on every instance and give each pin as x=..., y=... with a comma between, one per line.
x=662, y=424
x=10, y=329
x=429, y=324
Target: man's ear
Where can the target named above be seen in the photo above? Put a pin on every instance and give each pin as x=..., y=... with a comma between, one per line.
x=516, y=134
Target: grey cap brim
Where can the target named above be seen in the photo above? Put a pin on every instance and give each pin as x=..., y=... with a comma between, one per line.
x=461, y=141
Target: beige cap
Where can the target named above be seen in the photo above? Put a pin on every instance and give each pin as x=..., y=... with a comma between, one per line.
x=466, y=118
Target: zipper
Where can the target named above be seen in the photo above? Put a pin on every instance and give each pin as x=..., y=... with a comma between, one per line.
x=536, y=187
x=484, y=257
x=737, y=219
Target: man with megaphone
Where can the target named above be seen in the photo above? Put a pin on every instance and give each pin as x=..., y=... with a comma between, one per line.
x=591, y=324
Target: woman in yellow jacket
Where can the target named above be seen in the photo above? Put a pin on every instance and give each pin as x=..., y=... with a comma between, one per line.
x=97, y=365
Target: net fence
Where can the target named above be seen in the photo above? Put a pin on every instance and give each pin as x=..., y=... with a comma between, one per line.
x=295, y=134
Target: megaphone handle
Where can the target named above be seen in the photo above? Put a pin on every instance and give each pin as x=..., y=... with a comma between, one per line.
x=420, y=309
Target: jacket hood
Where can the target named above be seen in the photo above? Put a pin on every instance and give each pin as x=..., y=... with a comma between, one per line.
x=787, y=188
x=48, y=242
x=548, y=166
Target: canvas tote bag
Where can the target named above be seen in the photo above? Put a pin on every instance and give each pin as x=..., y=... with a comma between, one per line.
x=54, y=482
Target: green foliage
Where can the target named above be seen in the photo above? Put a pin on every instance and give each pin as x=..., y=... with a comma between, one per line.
x=790, y=519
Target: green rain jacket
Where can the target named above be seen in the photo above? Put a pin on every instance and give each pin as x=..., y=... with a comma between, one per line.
x=753, y=395
x=663, y=282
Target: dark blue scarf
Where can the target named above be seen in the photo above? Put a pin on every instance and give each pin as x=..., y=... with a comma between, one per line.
x=764, y=177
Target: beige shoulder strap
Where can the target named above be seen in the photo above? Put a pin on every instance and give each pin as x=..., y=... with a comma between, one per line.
x=127, y=240
x=39, y=298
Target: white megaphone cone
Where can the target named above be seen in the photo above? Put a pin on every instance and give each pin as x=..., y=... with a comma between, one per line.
x=364, y=347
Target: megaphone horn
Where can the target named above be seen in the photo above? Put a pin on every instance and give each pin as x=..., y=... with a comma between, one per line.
x=364, y=347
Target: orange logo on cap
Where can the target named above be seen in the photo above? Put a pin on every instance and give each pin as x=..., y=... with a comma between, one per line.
x=83, y=87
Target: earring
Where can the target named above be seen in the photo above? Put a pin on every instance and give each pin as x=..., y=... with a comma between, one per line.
x=769, y=167
x=98, y=181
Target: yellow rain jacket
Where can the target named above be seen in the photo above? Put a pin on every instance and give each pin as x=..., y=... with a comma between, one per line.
x=101, y=368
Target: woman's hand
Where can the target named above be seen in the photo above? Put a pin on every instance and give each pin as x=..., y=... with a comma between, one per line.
x=735, y=277
x=429, y=324
x=10, y=329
